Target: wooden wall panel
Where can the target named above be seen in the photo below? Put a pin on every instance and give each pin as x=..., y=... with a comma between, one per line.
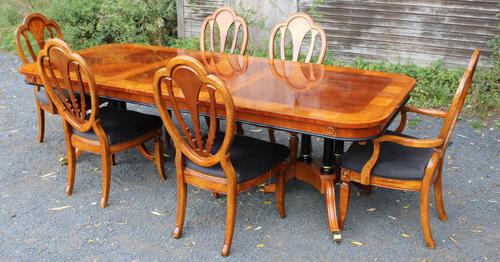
x=420, y=31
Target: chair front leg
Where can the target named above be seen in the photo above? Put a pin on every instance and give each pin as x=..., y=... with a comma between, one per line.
x=181, y=196
x=71, y=156
x=230, y=219
x=106, y=178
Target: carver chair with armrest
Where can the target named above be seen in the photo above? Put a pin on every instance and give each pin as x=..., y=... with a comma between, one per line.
x=30, y=37
x=105, y=131
x=219, y=162
x=220, y=25
x=398, y=161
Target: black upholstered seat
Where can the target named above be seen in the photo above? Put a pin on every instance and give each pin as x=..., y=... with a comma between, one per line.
x=251, y=157
x=395, y=161
x=122, y=125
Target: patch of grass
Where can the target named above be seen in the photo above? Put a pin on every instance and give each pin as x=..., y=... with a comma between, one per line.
x=478, y=125
x=413, y=123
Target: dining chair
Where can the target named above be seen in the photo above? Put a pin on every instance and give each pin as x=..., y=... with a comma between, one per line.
x=302, y=29
x=222, y=23
x=299, y=26
x=100, y=130
x=30, y=37
x=402, y=162
x=221, y=162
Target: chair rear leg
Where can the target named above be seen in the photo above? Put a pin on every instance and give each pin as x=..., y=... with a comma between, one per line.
x=158, y=157
x=106, y=178
x=424, y=217
x=230, y=219
x=280, y=193
x=239, y=128
x=181, y=207
x=71, y=155
x=41, y=122
x=438, y=192
x=272, y=137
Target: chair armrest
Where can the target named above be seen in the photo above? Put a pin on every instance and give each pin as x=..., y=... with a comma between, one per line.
x=426, y=111
x=404, y=141
x=411, y=142
x=422, y=111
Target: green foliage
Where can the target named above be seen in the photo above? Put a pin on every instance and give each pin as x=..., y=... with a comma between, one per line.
x=413, y=123
x=92, y=22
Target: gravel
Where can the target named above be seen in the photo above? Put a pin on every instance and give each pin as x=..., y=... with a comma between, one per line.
x=138, y=223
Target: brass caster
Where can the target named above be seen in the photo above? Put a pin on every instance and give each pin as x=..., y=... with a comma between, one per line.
x=337, y=237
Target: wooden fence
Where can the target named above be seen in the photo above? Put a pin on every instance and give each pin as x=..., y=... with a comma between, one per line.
x=421, y=31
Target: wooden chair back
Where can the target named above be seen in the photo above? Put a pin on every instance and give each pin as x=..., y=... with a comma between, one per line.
x=224, y=18
x=61, y=69
x=37, y=27
x=458, y=100
x=299, y=25
x=185, y=81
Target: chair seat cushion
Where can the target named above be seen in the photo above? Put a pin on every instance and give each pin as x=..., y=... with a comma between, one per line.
x=395, y=161
x=250, y=157
x=122, y=125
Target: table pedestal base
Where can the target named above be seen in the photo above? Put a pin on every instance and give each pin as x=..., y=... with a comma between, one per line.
x=325, y=184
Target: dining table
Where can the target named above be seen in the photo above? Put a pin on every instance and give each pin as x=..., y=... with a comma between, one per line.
x=334, y=103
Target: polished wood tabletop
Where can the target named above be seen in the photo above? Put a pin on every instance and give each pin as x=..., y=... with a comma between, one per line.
x=327, y=101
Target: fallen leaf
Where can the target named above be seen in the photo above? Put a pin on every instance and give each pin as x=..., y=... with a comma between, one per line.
x=452, y=239
x=406, y=206
x=248, y=227
x=260, y=245
x=156, y=213
x=90, y=241
x=58, y=208
x=63, y=160
x=268, y=202
x=405, y=235
x=48, y=174
x=371, y=209
x=356, y=243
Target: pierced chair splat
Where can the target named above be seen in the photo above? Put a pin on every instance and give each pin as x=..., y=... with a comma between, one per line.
x=219, y=162
x=105, y=131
